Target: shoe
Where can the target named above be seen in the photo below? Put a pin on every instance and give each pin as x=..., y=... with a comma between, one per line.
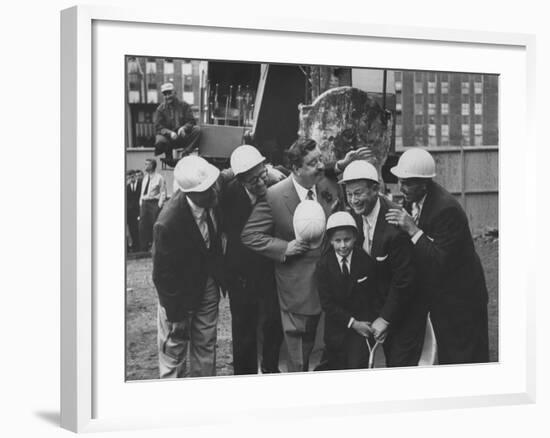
x=270, y=370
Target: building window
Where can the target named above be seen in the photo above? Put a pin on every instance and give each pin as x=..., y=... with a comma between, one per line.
x=431, y=98
x=444, y=108
x=186, y=68
x=431, y=87
x=478, y=108
x=478, y=87
x=444, y=87
x=478, y=129
x=419, y=87
x=478, y=98
x=445, y=130
x=478, y=140
x=445, y=120
x=431, y=130
x=431, y=108
x=465, y=87
x=419, y=76
x=399, y=142
x=419, y=120
x=444, y=77
x=398, y=107
x=168, y=71
x=465, y=109
x=418, y=109
x=465, y=129
x=465, y=98
x=398, y=75
x=418, y=98
x=398, y=85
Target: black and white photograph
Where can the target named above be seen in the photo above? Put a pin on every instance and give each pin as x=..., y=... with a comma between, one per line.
x=308, y=218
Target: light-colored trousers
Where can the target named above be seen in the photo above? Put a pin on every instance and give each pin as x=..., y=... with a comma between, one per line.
x=195, y=335
x=299, y=332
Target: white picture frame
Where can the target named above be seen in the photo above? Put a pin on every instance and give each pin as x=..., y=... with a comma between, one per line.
x=94, y=396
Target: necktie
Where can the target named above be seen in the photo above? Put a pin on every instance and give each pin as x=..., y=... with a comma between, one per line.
x=310, y=195
x=366, y=232
x=211, y=230
x=146, y=186
x=345, y=270
x=415, y=212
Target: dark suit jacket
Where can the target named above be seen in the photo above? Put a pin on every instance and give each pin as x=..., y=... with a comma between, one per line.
x=341, y=299
x=132, y=198
x=452, y=278
x=181, y=261
x=268, y=231
x=236, y=207
x=392, y=252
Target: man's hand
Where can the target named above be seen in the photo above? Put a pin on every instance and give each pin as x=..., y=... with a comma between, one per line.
x=363, y=153
x=296, y=247
x=274, y=175
x=380, y=329
x=402, y=220
x=173, y=135
x=363, y=328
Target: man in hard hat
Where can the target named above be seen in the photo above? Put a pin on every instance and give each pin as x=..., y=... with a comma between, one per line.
x=188, y=269
x=270, y=232
x=175, y=125
x=151, y=200
x=449, y=269
x=348, y=290
x=250, y=277
x=399, y=322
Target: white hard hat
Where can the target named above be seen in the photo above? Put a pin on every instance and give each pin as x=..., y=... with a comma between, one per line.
x=415, y=163
x=244, y=158
x=309, y=222
x=359, y=169
x=340, y=219
x=195, y=174
x=167, y=86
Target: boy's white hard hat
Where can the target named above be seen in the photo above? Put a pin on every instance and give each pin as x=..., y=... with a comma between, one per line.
x=195, y=174
x=167, y=86
x=415, y=163
x=340, y=219
x=309, y=222
x=359, y=169
x=244, y=158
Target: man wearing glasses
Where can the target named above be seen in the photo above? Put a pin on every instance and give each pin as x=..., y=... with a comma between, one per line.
x=176, y=128
x=250, y=277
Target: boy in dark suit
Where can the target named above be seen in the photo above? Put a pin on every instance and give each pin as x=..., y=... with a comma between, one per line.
x=347, y=289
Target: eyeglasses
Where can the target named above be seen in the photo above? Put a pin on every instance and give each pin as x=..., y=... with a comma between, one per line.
x=167, y=93
x=256, y=179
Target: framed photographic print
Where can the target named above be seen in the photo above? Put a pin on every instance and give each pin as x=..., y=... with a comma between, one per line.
x=155, y=112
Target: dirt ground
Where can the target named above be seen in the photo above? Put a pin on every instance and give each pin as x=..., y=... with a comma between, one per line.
x=141, y=306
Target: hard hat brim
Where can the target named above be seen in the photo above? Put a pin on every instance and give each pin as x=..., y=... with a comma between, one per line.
x=252, y=166
x=206, y=184
x=404, y=175
x=345, y=181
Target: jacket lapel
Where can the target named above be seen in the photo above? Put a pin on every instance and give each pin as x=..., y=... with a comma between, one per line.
x=291, y=196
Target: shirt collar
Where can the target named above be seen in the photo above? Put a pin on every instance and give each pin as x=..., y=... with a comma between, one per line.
x=198, y=212
x=421, y=202
x=253, y=198
x=348, y=259
x=372, y=217
x=302, y=191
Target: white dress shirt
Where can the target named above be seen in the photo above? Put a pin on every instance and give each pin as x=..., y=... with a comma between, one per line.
x=199, y=214
x=369, y=225
x=417, y=211
x=302, y=191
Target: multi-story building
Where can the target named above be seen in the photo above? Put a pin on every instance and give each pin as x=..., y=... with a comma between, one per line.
x=446, y=109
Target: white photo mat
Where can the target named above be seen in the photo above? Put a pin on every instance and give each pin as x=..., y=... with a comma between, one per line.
x=95, y=395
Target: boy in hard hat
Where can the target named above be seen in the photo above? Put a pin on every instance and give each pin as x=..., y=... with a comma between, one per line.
x=188, y=271
x=347, y=288
x=451, y=276
x=175, y=125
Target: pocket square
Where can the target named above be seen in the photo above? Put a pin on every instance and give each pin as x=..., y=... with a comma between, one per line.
x=381, y=259
x=360, y=280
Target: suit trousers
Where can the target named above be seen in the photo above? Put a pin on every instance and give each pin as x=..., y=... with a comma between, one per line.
x=299, y=333
x=195, y=337
x=254, y=302
x=188, y=142
x=148, y=215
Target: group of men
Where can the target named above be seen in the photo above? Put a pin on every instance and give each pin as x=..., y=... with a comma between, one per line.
x=145, y=196
x=235, y=231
